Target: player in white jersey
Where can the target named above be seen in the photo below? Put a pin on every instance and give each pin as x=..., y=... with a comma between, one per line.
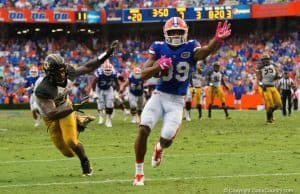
x=215, y=80
x=174, y=61
x=197, y=91
x=267, y=74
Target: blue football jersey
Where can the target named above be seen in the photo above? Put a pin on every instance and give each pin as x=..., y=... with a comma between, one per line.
x=136, y=86
x=104, y=82
x=30, y=81
x=183, y=64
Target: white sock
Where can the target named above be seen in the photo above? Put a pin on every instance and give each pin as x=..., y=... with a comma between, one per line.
x=158, y=147
x=100, y=113
x=139, y=168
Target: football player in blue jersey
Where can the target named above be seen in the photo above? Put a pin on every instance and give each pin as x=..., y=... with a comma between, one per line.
x=29, y=85
x=173, y=60
x=136, y=91
x=106, y=80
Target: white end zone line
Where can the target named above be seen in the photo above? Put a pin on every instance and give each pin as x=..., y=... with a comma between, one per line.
x=149, y=179
x=166, y=155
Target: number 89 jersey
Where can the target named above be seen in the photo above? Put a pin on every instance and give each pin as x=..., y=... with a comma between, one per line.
x=183, y=64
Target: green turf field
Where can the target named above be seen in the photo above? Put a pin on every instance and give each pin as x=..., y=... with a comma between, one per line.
x=241, y=155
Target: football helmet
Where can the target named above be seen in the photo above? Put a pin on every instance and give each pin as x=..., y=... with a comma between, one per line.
x=137, y=73
x=55, y=67
x=265, y=59
x=107, y=68
x=175, y=31
x=33, y=72
x=216, y=67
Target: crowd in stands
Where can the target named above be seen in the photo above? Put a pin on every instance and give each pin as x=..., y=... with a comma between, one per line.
x=83, y=5
x=238, y=58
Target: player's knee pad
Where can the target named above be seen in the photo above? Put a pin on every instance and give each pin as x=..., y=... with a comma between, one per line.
x=144, y=130
x=188, y=105
x=109, y=111
x=133, y=111
x=165, y=143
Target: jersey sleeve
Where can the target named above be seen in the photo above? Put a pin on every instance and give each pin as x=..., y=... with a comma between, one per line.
x=196, y=45
x=155, y=49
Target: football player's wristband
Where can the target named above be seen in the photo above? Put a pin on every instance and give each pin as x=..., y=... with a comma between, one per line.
x=219, y=40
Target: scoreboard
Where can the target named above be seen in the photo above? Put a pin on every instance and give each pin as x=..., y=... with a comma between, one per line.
x=136, y=15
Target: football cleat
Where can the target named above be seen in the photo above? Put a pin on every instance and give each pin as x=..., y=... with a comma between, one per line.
x=108, y=123
x=134, y=119
x=156, y=158
x=87, y=169
x=100, y=120
x=36, y=124
x=138, y=180
x=269, y=122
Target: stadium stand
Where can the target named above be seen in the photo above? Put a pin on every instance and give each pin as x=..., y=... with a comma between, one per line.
x=238, y=58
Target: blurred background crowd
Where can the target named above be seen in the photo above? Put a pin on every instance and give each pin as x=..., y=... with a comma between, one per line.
x=238, y=57
x=25, y=49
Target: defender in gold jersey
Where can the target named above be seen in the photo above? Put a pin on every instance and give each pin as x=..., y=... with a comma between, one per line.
x=57, y=111
x=215, y=80
x=267, y=74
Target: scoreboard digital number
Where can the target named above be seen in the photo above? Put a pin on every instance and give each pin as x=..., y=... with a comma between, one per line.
x=81, y=16
x=218, y=13
x=136, y=15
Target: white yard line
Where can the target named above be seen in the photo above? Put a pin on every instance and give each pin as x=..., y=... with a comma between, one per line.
x=149, y=180
x=167, y=155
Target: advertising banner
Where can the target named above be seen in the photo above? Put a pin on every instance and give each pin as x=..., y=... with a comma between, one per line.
x=275, y=10
x=3, y=15
x=93, y=17
x=114, y=16
x=63, y=17
x=241, y=12
x=35, y=16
